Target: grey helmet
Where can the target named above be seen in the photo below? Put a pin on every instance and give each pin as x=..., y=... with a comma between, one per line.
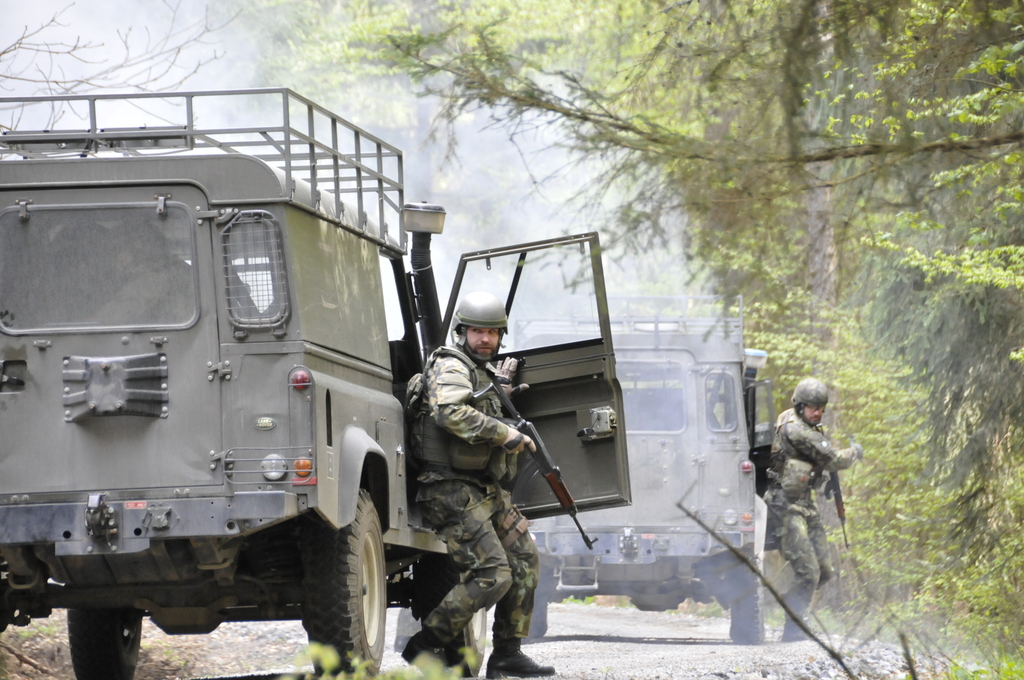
x=481, y=310
x=810, y=391
x=478, y=310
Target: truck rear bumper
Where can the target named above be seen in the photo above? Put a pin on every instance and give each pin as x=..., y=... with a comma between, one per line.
x=626, y=546
x=130, y=525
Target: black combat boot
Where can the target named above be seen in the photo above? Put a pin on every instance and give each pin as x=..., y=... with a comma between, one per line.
x=508, y=661
x=423, y=642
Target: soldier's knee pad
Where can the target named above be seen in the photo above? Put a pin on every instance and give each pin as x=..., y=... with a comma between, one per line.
x=489, y=585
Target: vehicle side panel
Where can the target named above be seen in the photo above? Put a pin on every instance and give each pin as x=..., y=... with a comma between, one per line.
x=339, y=297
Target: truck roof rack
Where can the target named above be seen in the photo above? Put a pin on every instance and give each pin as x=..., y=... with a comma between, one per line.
x=655, y=316
x=301, y=139
x=676, y=314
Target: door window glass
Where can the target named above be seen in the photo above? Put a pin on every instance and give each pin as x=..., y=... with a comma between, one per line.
x=654, y=396
x=551, y=290
x=88, y=267
x=720, y=402
x=254, y=266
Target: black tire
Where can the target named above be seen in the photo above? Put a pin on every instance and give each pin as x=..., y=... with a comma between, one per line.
x=345, y=585
x=746, y=623
x=434, y=575
x=104, y=643
x=547, y=587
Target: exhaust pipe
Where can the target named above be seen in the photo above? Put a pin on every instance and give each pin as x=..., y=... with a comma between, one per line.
x=423, y=220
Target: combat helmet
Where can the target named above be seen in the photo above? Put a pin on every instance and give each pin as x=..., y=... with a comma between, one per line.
x=810, y=391
x=481, y=310
x=478, y=310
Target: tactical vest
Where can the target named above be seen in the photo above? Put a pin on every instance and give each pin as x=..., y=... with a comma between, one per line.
x=794, y=474
x=441, y=448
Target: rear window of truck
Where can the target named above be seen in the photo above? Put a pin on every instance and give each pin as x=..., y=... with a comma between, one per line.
x=78, y=268
x=654, y=396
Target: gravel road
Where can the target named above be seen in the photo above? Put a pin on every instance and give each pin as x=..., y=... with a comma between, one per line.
x=584, y=642
x=588, y=642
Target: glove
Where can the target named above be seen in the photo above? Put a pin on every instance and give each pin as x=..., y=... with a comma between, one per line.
x=516, y=441
x=505, y=372
x=858, y=451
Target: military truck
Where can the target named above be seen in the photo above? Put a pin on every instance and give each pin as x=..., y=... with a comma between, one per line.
x=201, y=413
x=699, y=426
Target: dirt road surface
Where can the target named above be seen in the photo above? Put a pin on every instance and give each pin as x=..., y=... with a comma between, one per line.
x=584, y=642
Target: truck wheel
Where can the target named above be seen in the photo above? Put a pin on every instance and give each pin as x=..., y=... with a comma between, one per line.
x=434, y=575
x=539, y=622
x=104, y=643
x=547, y=587
x=345, y=586
x=746, y=625
x=475, y=638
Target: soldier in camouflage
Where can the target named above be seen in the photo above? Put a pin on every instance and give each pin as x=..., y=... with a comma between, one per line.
x=801, y=454
x=467, y=456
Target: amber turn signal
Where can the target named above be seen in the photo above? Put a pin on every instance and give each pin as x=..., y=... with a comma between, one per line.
x=303, y=467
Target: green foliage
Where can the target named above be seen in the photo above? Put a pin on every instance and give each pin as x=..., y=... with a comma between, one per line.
x=589, y=600
x=1007, y=668
x=853, y=168
x=326, y=658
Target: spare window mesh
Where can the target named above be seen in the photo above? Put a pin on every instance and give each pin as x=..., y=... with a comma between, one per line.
x=257, y=289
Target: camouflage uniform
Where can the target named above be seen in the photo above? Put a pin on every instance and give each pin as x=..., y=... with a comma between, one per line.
x=801, y=533
x=468, y=508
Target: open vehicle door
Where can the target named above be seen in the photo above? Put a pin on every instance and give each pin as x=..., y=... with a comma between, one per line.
x=560, y=333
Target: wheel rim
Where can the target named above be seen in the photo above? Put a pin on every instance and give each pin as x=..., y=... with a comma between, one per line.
x=373, y=589
x=131, y=628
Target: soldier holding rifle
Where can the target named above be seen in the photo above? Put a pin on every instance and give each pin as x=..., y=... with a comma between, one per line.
x=466, y=454
x=801, y=454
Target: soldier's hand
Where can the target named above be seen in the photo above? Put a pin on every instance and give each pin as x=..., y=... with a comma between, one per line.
x=516, y=440
x=858, y=451
x=505, y=372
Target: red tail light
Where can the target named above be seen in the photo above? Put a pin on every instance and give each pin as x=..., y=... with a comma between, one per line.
x=746, y=466
x=300, y=379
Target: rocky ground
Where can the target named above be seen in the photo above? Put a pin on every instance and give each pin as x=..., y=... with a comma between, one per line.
x=584, y=642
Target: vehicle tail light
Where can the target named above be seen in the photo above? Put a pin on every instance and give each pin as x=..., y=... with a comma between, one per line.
x=300, y=379
x=274, y=467
x=746, y=466
x=747, y=518
x=303, y=467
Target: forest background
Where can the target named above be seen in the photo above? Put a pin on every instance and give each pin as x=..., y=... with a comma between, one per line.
x=853, y=168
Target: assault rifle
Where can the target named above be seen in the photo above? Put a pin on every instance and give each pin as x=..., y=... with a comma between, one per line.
x=835, y=492
x=541, y=457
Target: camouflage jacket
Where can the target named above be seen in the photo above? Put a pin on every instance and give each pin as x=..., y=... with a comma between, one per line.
x=449, y=384
x=796, y=439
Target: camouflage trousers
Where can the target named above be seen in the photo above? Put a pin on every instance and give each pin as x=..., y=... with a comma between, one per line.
x=467, y=517
x=805, y=547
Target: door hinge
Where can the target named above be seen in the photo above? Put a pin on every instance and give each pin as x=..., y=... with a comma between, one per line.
x=23, y=204
x=161, y=203
x=221, y=368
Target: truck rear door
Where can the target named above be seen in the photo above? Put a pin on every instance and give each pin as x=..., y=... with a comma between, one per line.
x=559, y=331
x=107, y=318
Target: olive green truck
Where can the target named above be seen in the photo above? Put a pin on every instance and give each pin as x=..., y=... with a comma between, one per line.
x=209, y=310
